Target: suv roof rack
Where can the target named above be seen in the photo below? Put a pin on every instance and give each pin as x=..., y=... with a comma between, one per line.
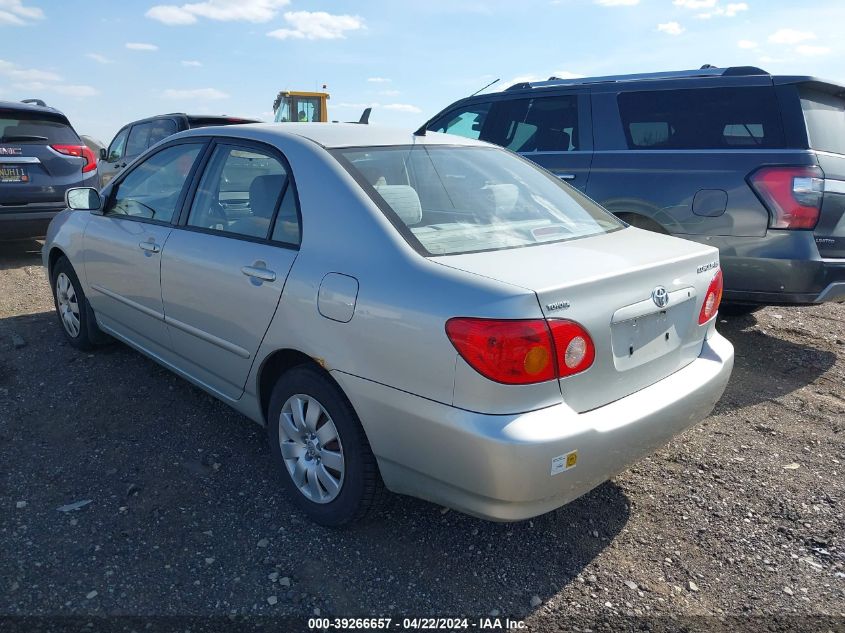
x=704, y=71
x=38, y=102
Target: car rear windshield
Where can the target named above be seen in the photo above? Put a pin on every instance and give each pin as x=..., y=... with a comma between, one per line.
x=34, y=127
x=824, y=114
x=704, y=118
x=448, y=200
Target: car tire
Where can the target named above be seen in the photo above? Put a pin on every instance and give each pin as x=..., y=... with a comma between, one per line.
x=75, y=315
x=319, y=447
x=738, y=309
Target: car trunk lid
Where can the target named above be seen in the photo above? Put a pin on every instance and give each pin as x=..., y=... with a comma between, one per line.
x=606, y=283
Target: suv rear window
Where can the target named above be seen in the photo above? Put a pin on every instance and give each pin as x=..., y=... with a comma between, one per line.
x=447, y=200
x=705, y=118
x=825, y=117
x=17, y=126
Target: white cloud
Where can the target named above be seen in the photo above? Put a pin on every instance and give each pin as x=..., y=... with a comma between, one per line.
x=728, y=11
x=403, y=107
x=191, y=63
x=69, y=90
x=141, y=46
x=14, y=12
x=75, y=90
x=201, y=94
x=378, y=80
x=617, y=3
x=317, y=25
x=15, y=72
x=695, y=4
x=670, y=28
x=221, y=10
x=747, y=44
x=812, y=51
x=98, y=58
x=791, y=36
x=396, y=107
x=565, y=74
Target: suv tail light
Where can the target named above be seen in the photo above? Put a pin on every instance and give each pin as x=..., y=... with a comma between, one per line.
x=521, y=352
x=82, y=151
x=712, y=299
x=793, y=195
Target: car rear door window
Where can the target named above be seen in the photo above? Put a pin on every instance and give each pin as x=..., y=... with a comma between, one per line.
x=151, y=191
x=18, y=126
x=240, y=192
x=160, y=130
x=824, y=114
x=138, y=139
x=709, y=118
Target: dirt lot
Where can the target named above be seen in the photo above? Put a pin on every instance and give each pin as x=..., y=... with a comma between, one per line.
x=738, y=522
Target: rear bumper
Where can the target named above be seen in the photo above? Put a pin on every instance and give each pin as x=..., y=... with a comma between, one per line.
x=781, y=267
x=23, y=222
x=500, y=467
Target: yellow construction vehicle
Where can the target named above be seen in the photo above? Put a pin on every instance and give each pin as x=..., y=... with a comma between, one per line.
x=303, y=107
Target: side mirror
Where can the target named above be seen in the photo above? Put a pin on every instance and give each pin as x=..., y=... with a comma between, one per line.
x=83, y=199
x=103, y=153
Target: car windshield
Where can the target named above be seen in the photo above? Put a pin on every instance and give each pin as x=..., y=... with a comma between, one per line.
x=448, y=200
x=21, y=127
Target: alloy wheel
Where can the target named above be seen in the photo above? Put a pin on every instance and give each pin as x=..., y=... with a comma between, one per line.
x=68, y=305
x=311, y=448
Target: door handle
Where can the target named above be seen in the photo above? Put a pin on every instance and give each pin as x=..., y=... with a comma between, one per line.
x=566, y=176
x=150, y=247
x=259, y=273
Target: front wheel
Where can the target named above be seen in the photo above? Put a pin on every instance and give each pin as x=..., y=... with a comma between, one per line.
x=71, y=305
x=317, y=442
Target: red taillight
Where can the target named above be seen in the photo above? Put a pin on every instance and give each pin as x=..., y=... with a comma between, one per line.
x=82, y=151
x=520, y=352
x=712, y=299
x=793, y=195
x=575, y=349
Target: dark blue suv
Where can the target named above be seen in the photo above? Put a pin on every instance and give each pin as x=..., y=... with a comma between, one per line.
x=41, y=156
x=732, y=157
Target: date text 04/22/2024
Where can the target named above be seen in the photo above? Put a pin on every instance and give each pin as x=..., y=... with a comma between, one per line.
x=415, y=624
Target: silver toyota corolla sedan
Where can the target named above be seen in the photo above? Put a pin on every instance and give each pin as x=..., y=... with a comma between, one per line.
x=429, y=314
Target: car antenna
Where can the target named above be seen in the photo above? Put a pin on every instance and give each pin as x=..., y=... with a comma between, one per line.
x=484, y=88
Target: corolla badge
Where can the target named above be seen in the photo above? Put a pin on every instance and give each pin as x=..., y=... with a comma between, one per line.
x=660, y=297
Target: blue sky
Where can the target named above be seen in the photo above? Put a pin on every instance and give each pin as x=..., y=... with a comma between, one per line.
x=105, y=62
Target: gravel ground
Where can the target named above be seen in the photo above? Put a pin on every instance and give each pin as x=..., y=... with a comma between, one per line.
x=738, y=522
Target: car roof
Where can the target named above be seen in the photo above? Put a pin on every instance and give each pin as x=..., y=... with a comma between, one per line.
x=30, y=107
x=333, y=135
x=634, y=81
x=190, y=117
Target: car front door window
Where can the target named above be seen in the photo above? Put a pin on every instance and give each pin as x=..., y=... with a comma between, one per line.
x=117, y=146
x=151, y=191
x=138, y=139
x=467, y=122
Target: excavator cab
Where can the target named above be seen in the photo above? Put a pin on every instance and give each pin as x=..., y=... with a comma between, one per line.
x=302, y=107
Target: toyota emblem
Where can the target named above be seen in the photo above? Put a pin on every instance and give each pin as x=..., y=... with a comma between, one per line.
x=660, y=297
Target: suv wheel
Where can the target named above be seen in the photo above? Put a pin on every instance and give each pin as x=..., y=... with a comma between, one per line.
x=318, y=444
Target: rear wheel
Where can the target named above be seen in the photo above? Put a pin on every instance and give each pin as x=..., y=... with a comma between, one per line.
x=325, y=462
x=71, y=305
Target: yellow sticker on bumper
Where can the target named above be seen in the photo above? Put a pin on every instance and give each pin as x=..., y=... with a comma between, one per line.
x=564, y=462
